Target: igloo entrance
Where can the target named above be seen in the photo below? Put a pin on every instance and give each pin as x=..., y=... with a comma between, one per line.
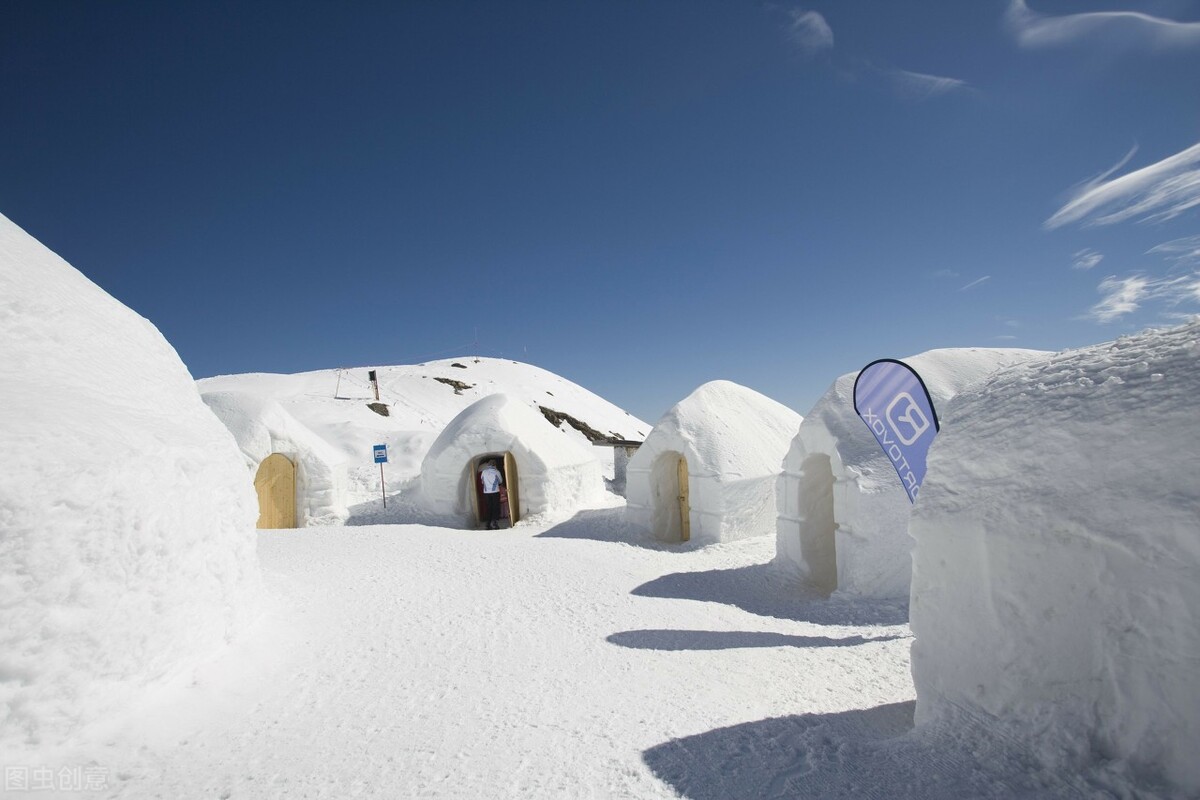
x=818, y=525
x=669, y=492
x=510, y=502
x=275, y=483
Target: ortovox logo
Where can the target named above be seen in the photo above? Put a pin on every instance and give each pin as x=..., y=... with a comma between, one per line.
x=908, y=420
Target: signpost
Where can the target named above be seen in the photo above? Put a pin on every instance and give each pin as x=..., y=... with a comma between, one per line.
x=381, y=459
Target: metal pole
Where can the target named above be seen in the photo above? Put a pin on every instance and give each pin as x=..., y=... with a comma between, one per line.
x=382, y=486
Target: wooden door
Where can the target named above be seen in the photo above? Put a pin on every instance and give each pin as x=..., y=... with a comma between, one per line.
x=275, y=483
x=685, y=513
x=514, y=498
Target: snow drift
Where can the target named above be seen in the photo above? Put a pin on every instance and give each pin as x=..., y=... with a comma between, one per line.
x=556, y=476
x=1055, y=589
x=733, y=440
x=261, y=427
x=126, y=516
x=842, y=513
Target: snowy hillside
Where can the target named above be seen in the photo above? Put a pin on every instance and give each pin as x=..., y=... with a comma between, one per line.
x=420, y=400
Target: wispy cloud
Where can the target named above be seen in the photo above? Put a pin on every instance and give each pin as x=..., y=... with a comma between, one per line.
x=919, y=86
x=1121, y=296
x=1004, y=337
x=810, y=31
x=944, y=273
x=1155, y=193
x=1086, y=259
x=975, y=283
x=1110, y=28
x=1183, y=252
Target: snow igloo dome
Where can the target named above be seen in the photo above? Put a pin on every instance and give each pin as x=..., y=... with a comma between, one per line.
x=126, y=520
x=1056, y=571
x=262, y=428
x=707, y=470
x=842, y=515
x=545, y=473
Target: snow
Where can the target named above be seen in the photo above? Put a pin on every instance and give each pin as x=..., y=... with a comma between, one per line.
x=1055, y=591
x=261, y=427
x=126, y=518
x=842, y=514
x=546, y=661
x=555, y=475
x=734, y=440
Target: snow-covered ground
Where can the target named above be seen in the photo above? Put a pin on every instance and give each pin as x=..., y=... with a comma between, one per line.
x=418, y=661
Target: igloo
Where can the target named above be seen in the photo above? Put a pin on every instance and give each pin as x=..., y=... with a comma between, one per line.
x=126, y=520
x=707, y=470
x=1057, y=548
x=278, y=449
x=842, y=514
x=546, y=473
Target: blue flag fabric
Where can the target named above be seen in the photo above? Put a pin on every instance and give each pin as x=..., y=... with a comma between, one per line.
x=892, y=399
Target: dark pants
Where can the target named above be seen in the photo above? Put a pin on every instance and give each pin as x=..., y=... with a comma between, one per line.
x=491, y=507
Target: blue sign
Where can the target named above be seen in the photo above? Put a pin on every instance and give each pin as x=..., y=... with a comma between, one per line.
x=892, y=399
x=381, y=454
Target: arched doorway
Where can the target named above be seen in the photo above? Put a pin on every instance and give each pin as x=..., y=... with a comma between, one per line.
x=818, y=525
x=510, y=495
x=669, y=493
x=275, y=483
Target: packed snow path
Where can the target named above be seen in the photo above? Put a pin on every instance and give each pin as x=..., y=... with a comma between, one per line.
x=415, y=661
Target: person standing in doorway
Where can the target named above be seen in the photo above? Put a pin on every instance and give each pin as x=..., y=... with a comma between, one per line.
x=491, y=479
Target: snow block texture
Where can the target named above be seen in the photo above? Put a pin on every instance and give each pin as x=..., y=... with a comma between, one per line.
x=733, y=440
x=1055, y=589
x=126, y=515
x=842, y=516
x=261, y=426
x=556, y=476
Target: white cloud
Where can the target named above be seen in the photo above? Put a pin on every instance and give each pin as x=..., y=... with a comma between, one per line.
x=919, y=86
x=1007, y=337
x=1086, y=259
x=975, y=283
x=1184, y=251
x=1111, y=28
x=1123, y=296
x=1155, y=193
x=944, y=273
x=810, y=31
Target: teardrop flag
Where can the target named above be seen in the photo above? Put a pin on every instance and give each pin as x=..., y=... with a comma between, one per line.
x=892, y=400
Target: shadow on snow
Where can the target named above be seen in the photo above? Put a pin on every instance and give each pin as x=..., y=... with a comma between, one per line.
x=768, y=591
x=729, y=640
x=869, y=753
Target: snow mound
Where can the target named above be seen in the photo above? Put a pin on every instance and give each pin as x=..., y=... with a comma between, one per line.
x=1055, y=589
x=733, y=440
x=842, y=513
x=556, y=476
x=126, y=517
x=261, y=427
x=420, y=400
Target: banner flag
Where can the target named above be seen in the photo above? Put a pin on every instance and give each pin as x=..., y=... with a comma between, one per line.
x=892, y=399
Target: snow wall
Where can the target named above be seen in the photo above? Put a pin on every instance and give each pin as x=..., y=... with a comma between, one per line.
x=126, y=521
x=842, y=514
x=555, y=475
x=1056, y=587
x=734, y=440
x=260, y=427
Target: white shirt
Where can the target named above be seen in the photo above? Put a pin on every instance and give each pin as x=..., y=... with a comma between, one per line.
x=491, y=480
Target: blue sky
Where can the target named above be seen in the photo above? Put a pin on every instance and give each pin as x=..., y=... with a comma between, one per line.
x=640, y=196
